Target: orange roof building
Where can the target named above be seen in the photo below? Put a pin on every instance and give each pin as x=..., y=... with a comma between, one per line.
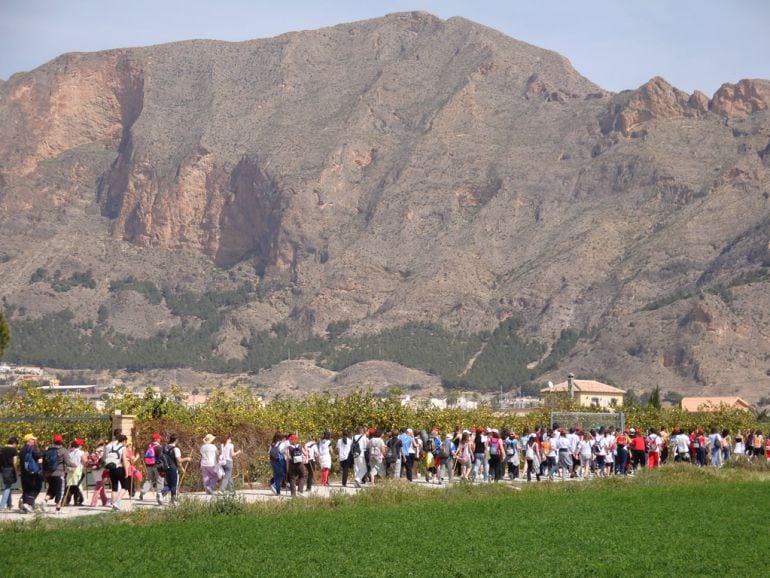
x=710, y=404
x=588, y=392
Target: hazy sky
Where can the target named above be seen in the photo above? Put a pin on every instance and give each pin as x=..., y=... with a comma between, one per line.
x=617, y=44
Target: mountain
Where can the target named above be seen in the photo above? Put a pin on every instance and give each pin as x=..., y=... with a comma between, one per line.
x=199, y=202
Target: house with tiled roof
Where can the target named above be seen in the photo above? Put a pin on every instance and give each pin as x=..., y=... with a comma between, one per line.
x=586, y=392
x=711, y=404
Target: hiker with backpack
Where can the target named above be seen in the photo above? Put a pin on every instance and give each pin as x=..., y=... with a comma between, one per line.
x=512, y=455
x=95, y=465
x=431, y=447
x=31, y=459
x=496, y=452
x=153, y=481
x=114, y=464
x=169, y=462
x=296, y=457
x=479, y=455
x=277, y=463
x=393, y=455
x=465, y=455
x=55, y=460
x=447, y=453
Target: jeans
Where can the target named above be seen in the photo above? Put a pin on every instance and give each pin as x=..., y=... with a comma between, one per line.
x=409, y=466
x=346, y=465
x=621, y=461
x=227, y=478
x=172, y=481
x=478, y=462
x=279, y=472
x=6, y=502
x=716, y=455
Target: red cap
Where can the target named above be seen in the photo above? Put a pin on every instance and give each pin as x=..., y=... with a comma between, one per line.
x=57, y=439
x=155, y=436
x=293, y=438
x=79, y=442
x=625, y=431
x=371, y=430
x=480, y=429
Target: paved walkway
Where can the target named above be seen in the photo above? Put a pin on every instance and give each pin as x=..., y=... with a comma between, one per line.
x=257, y=494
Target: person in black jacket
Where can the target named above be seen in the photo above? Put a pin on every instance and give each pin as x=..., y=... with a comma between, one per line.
x=8, y=465
x=31, y=473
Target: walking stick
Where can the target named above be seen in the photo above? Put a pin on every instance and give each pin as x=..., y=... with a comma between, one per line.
x=184, y=473
x=244, y=473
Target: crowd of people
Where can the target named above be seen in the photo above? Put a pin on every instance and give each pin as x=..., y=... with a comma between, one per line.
x=370, y=455
x=486, y=454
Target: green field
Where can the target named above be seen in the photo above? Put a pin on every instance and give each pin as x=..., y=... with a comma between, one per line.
x=677, y=523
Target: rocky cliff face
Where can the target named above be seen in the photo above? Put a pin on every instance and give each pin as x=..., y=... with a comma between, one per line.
x=397, y=170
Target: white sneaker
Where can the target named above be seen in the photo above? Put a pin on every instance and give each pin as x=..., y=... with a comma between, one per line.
x=115, y=507
x=27, y=509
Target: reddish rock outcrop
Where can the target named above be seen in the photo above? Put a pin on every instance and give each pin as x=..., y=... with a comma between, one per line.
x=742, y=99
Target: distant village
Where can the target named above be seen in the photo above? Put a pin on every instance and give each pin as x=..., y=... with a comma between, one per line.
x=587, y=393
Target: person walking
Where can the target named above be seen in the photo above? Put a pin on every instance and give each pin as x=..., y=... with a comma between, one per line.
x=55, y=461
x=344, y=455
x=312, y=455
x=277, y=463
x=393, y=455
x=100, y=475
x=359, y=446
x=325, y=457
x=295, y=459
x=448, y=455
x=174, y=459
x=532, y=455
x=76, y=473
x=113, y=462
x=208, y=465
x=512, y=459
x=585, y=455
x=377, y=450
x=153, y=481
x=31, y=459
x=479, y=448
x=9, y=459
x=496, y=453
x=715, y=442
x=227, y=455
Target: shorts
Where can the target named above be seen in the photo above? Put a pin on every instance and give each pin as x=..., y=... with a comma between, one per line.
x=118, y=479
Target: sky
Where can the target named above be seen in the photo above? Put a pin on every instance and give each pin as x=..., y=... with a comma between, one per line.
x=617, y=44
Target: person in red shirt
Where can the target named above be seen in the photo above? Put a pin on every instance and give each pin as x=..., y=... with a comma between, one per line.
x=638, y=454
x=699, y=443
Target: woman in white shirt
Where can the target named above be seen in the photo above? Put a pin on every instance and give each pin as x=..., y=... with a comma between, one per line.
x=226, y=454
x=325, y=457
x=209, y=464
x=343, y=452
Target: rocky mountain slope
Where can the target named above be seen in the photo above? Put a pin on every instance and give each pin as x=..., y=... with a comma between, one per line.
x=398, y=170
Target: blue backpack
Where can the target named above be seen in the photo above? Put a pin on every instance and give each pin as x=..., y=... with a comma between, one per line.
x=30, y=463
x=50, y=460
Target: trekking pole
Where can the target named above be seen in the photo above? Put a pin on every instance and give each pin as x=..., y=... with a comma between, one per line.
x=66, y=493
x=244, y=473
x=184, y=472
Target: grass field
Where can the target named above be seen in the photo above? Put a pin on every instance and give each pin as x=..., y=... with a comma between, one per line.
x=681, y=522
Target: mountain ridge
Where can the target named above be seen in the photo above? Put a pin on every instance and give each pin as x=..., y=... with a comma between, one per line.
x=396, y=170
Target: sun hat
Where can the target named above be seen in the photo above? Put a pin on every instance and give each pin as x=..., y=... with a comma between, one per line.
x=29, y=436
x=208, y=439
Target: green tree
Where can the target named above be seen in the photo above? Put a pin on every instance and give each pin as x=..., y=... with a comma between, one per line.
x=5, y=333
x=654, y=400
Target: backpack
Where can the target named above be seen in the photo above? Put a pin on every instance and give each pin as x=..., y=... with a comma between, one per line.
x=355, y=449
x=597, y=448
x=376, y=450
x=112, y=456
x=274, y=453
x=446, y=449
x=717, y=442
x=392, y=455
x=94, y=461
x=165, y=460
x=510, y=448
x=149, y=455
x=494, y=448
x=296, y=454
x=30, y=463
x=430, y=445
x=50, y=460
